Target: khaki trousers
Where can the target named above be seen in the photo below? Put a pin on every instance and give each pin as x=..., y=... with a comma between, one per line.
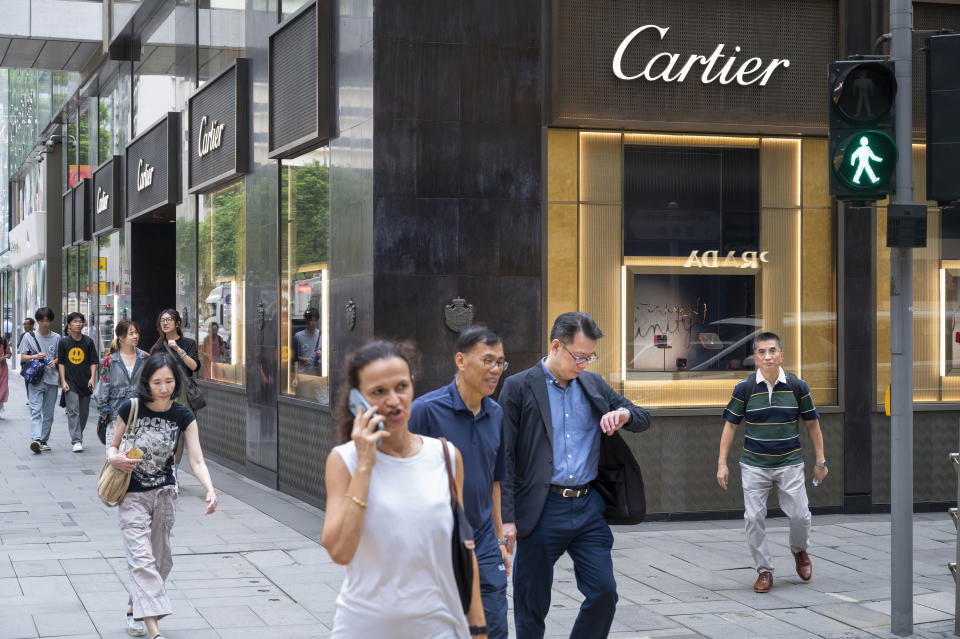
x=146, y=520
x=792, y=494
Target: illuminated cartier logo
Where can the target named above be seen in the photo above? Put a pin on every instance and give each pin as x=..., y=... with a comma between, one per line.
x=664, y=65
x=103, y=200
x=144, y=175
x=711, y=259
x=211, y=139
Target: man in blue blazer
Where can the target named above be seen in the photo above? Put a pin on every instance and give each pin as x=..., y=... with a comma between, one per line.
x=554, y=415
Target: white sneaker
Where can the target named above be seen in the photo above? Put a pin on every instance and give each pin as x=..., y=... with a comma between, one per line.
x=135, y=628
x=44, y=447
x=78, y=447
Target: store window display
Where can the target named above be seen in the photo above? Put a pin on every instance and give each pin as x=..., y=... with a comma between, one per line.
x=305, y=276
x=221, y=263
x=713, y=238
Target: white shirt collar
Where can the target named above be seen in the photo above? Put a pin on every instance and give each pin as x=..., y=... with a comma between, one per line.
x=781, y=377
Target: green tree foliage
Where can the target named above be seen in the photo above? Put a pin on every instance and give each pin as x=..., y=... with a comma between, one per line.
x=310, y=211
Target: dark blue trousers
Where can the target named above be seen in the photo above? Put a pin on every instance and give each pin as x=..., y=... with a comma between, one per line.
x=493, y=580
x=575, y=526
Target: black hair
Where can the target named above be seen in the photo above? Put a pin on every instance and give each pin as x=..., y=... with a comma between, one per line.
x=311, y=314
x=75, y=315
x=473, y=335
x=212, y=324
x=44, y=312
x=355, y=362
x=567, y=325
x=151, y=365
x=766, y=336
x=29, y=319
x=175, y=314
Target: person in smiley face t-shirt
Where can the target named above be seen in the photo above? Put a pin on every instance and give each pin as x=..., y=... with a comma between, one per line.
x=77, y=360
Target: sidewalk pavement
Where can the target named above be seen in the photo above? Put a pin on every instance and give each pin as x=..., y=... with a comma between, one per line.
x=256, y=569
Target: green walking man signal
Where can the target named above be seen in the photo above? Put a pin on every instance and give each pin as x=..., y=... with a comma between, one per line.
x=863, y=153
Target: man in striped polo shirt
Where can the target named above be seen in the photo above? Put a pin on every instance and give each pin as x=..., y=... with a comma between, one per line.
x=773, y=403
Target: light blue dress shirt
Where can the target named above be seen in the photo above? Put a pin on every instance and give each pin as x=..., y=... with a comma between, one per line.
x=576, y=433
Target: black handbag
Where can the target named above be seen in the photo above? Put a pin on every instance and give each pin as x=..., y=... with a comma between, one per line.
x=620, y=482
x=462, y=540
x=191, y=389
x=102, y=423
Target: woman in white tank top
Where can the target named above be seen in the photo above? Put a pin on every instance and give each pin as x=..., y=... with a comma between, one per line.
x=388, y=514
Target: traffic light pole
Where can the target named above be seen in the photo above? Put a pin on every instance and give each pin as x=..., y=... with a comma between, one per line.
x=901, y=338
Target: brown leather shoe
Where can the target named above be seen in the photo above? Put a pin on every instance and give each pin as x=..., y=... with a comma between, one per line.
x=764, y=582
x=804, y=565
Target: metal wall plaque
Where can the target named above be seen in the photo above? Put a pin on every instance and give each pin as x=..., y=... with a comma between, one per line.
x=740, y=65
x=301, y=81
x=218, y=142
x=107, y=196
x=68, y=219
x=458, y=314
x=82, y=221
x=152, y=167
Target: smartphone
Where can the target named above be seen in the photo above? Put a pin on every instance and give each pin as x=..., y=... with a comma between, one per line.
x=358, y=404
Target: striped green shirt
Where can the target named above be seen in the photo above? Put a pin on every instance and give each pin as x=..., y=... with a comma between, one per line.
x=772, y=437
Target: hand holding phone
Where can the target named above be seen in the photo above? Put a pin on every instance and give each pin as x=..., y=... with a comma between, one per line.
x=359, y=404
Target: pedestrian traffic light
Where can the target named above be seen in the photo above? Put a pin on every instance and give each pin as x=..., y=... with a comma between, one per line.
x=863, y=152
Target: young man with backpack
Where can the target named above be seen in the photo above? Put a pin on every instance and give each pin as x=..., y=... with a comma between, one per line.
x=772, y=403
x=78, y=360
x=41, y=345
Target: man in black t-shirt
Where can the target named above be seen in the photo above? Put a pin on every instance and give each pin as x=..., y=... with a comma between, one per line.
x=77, y=355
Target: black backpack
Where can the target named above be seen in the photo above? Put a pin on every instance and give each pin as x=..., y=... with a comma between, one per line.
x=792, y=381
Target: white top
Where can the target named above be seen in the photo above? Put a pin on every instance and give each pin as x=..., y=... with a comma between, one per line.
x=400, y=582
x=781, y=377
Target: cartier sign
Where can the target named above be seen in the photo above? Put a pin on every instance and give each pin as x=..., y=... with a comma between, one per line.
x=103, y=200
x=144, y=175
x=152, y=170
x=107, y=214
x=711, y=66
x=210, y=139
x=667, y=67
x=219, y=137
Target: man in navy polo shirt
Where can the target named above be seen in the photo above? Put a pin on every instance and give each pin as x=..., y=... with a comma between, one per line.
x=463, y=412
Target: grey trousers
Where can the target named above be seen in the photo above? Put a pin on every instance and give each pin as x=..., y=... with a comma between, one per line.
x=146, y=520
x=792, y=494
x=78, y=409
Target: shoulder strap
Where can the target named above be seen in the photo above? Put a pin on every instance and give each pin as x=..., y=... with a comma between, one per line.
x=453, y=482
x=794, y=384
x=37, y=342
x=132, y=416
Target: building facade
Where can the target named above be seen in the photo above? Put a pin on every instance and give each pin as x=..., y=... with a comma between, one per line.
x=300, y=177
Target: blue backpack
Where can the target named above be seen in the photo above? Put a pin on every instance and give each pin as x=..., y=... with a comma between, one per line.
x=33, y=370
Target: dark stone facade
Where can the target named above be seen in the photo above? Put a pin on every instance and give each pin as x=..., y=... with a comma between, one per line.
x=457, y=175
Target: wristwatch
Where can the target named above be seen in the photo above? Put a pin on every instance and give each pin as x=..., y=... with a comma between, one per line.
x=502, y=541
x=822, y=464
x=478, y=630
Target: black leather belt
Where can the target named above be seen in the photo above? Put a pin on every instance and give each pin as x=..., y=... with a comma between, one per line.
x=570, y=491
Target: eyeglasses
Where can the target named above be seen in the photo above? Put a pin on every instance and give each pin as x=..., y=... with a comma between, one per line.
x=578, y=360
x=164, y=320
x=490, y=364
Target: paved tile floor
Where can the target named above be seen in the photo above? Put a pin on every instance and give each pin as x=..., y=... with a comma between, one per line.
x=256, y=569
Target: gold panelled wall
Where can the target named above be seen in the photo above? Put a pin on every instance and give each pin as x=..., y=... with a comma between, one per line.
x=601, y=229
x=795, y=288
x=818, y=284
x=780, y=237
x=928, y=340
x=563, y=228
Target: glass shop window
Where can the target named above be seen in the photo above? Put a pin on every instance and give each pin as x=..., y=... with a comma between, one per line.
x=305, y=276
x=221, y=262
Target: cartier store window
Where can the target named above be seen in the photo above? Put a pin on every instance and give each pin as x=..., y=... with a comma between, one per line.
x=221, y=258
x=305, y=276
x=688, y=246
